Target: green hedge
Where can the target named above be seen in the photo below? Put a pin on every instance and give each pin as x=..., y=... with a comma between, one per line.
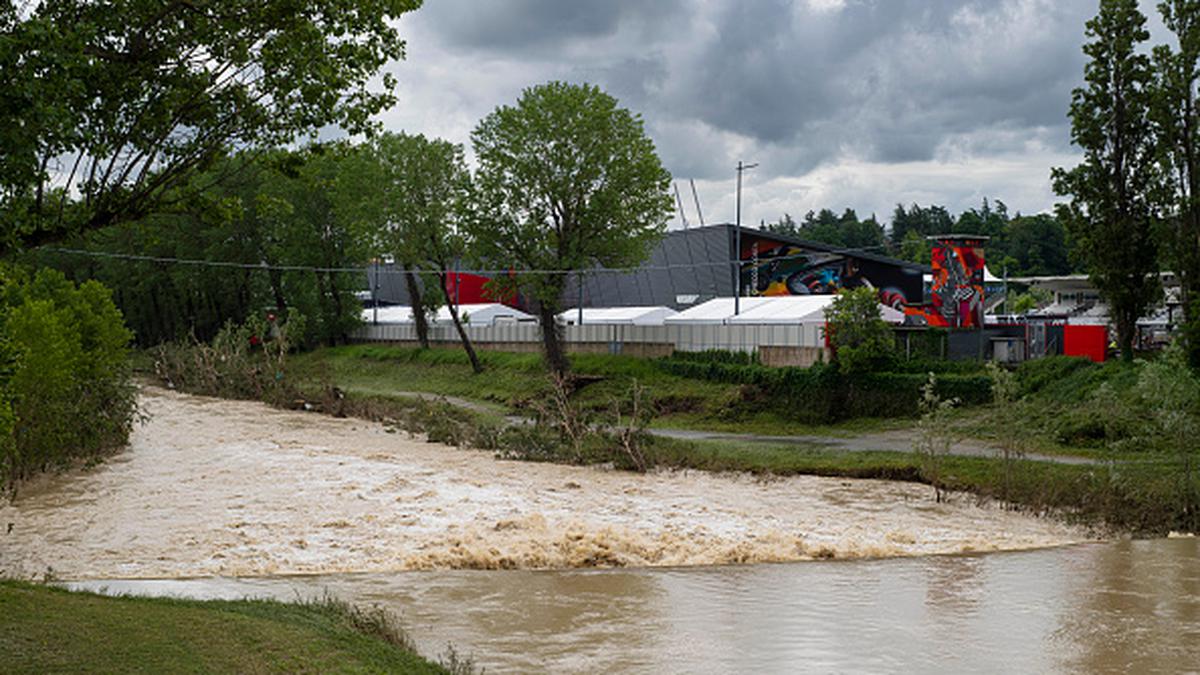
x=65, y=392
x=821, y=394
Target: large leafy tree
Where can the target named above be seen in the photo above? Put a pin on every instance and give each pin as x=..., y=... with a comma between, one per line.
x=1176, y=113
x=415, y=194
x=1110, y=215
x=567, y=180
x=110, y=107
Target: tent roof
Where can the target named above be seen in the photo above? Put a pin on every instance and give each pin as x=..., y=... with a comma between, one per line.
x=714, y=311
x=479, y=314
x=786, y=309
x=641, y=316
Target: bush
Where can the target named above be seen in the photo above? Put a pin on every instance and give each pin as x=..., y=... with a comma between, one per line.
x=65, y=392
x=861, y=341
x=823, y=393
x=1036, y=374
x=244, y=361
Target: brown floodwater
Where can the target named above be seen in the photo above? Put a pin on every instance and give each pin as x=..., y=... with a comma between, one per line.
x=214, y=487
x=548, y=568
x=1121, y=607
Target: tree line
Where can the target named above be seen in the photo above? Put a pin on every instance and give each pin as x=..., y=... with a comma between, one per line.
x=567, y=180
x=1021, y=245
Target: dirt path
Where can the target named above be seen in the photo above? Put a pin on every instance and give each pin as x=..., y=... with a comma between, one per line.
x=215, y=487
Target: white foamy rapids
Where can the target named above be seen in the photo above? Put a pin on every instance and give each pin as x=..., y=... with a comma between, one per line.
x=212, y=487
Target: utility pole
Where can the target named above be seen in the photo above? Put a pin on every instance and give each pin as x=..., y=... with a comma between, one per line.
x=737, y=246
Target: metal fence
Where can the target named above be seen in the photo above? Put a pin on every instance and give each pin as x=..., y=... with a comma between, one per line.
x=681, y=337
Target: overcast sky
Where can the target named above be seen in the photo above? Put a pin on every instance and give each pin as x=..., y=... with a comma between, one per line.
x=842, y=103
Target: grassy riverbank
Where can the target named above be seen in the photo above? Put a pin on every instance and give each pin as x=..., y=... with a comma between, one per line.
x=46, y=629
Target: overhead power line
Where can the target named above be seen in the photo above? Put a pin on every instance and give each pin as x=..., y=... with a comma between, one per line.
x=226, y=264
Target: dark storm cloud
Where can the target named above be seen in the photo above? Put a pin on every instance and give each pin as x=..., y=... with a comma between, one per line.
x=889, y=79
x=802, y=83
x=525, y=25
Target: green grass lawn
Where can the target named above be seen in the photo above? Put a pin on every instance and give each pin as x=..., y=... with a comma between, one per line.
x=45, y=629
x=513, y=382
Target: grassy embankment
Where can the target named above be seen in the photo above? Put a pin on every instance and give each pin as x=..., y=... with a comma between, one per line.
x=1066, y=407
x=46, y=629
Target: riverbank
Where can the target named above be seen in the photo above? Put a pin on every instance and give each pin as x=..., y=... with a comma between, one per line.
x=47, y=629
x=236, y=488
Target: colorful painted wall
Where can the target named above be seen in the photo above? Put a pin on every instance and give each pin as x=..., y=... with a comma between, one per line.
x=773, y=267
x=957, y=293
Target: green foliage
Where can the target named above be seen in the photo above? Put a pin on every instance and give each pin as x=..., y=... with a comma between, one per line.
x=822, y=394
x=51, y=629
x=718, y=356
x=286, y=210
x=1176, y=117
x=140, y=96
x=846, y=230
x=245, y=361
x=1024, y=303
x=1034, y=375
x=567, y=180
x=1111, y=213
x=64, y=373
x=860, y=339
x=934, y=436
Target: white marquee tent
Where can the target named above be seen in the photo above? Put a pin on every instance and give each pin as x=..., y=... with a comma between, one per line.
x=636, y=316
x=483, y=314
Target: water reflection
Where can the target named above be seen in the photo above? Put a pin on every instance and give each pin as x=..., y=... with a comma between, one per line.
x=1097, y=608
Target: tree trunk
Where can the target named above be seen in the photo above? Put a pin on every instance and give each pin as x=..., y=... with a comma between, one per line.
x=462, y=332
x=276, y=277
x=336, y=296
x=1126, y=328
x=418, y=307
x=552, y=347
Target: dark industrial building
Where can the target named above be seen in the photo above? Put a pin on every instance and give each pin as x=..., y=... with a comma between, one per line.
x=697, y=264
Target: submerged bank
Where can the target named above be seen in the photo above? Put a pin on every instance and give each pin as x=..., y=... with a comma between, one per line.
x=216, y=487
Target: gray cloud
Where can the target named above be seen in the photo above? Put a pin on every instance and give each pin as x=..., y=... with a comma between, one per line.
x=813, y=90
x=536, y=25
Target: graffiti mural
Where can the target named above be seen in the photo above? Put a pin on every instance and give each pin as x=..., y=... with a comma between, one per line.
x=774, y=268
x=957, y=293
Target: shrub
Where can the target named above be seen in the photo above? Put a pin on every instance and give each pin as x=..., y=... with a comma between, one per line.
x=245, y=361
x=1034, y=375
x=65, y=392
x=861, y=341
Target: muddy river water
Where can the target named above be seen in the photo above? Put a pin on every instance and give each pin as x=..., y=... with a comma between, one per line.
x=538, y=567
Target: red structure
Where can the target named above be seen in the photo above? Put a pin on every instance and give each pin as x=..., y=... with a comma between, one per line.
x=1089, y=341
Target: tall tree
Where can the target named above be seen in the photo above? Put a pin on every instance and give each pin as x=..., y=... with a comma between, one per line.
x=119, y=103
x=421, y=187
x=567, y=180
x=1110, y=215
x=1177, y=119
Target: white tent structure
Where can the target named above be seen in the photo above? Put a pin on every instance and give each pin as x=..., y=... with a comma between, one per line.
x=483, y=314
x=786, y=309
x=775, y=310
x=608, y=316
x=713, y=312
x=396, y=314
